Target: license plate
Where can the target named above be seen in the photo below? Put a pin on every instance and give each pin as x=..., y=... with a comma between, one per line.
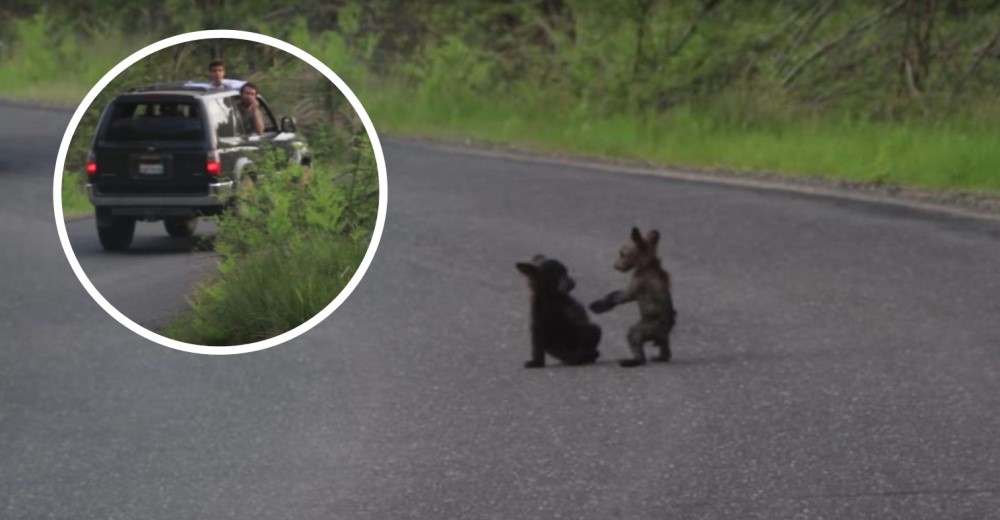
x=151, y=168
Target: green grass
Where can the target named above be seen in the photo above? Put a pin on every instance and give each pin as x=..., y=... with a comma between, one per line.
x=270, y=292
x=74, y=198
x=951, y=154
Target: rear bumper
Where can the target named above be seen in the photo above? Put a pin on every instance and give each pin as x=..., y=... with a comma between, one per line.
x=154, y=206
x=217, y=191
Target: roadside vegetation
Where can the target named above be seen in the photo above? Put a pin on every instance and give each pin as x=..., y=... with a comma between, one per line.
x=74, y=197
x=890, y=92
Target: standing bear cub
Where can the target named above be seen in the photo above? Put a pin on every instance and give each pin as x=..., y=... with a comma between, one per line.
x=559, y=324
x=650, y=287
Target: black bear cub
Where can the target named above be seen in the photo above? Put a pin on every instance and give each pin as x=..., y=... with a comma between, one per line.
x=560, y=326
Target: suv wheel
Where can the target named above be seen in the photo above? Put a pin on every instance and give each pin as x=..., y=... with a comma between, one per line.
x=180, y=228
x=118, y=235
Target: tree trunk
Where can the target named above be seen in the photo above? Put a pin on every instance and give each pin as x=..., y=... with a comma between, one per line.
x=641, y=14
x=915, y=58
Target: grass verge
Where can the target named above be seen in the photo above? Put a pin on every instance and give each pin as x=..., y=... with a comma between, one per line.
x=74, y=197
x=951, y=154
x=271, y=291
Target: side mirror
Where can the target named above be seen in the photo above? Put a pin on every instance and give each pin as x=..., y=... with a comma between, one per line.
x=288, y=124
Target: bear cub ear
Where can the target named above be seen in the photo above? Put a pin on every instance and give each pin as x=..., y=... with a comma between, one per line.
x=637, y=237
x=534, y=269
x=529, y=270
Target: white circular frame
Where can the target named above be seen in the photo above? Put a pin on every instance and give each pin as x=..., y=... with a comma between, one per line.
x=204, y=35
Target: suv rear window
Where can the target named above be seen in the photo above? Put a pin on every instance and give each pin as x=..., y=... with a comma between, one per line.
x=132, y=121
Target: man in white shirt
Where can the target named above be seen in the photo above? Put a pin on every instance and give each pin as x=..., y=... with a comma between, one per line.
x=217, y=73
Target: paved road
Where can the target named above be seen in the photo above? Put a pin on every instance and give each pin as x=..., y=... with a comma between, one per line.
x=151, y=282
x=833, y=360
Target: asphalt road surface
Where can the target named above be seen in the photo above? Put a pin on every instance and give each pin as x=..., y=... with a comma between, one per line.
x=833, y=359
x=152, y=281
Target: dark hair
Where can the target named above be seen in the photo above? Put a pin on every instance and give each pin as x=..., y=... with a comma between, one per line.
x=216, y=63
x=249, y=85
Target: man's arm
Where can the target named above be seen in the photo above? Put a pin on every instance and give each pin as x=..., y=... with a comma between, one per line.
x=258, y=119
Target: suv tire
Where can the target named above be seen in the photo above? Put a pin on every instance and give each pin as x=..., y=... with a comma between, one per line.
x=117, y=236
x=180, y=228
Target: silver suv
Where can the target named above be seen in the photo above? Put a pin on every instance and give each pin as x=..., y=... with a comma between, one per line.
x=175, y=152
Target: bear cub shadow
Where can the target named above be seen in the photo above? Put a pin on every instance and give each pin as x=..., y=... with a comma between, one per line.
x=560, y=326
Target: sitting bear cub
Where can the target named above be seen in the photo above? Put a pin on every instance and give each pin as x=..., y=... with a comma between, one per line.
x=559, y=324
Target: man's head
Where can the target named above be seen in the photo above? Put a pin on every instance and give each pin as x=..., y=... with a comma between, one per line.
x=217, y=71
x=248, y=92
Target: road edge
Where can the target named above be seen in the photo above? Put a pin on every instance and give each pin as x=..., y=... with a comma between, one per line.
x=979, y=206
x=36, y=104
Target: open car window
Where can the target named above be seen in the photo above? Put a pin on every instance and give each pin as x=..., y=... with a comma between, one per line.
x=244, y=126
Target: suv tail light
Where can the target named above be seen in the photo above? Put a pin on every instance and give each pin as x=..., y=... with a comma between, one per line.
x=91, y=164
x=212, y=164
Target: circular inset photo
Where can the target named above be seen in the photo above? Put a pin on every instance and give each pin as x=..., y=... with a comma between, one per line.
x=220, y=192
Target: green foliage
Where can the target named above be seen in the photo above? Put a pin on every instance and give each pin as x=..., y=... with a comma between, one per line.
x=869, y=57
x=46, y=57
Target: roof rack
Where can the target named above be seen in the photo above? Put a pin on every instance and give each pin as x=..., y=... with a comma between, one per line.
x=189, y=85
x=167, y=86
